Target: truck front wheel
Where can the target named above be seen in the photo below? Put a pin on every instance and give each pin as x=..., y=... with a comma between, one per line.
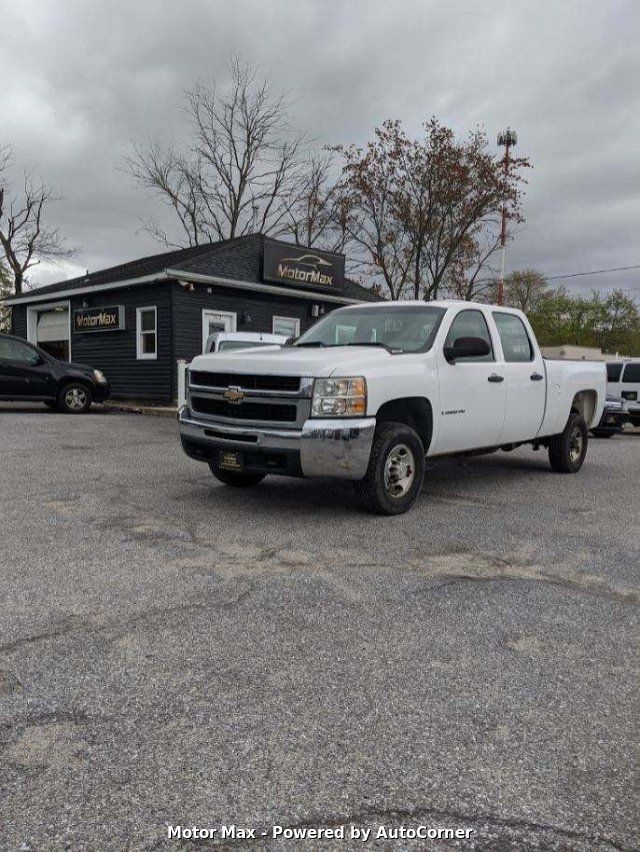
x=568, y=449
x=396, y=470
x=236, y=478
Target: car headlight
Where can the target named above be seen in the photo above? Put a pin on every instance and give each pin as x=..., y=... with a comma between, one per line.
x=99, y=376
x=340, y=397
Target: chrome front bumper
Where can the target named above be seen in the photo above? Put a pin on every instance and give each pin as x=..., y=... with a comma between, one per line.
x=333, y=449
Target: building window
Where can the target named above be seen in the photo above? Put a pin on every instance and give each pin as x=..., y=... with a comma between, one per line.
x=146, y=328
x=289, y=326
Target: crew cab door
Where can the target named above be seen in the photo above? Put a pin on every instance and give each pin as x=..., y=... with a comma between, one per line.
x=471, y=391
x=23, y=371
x=525, y=379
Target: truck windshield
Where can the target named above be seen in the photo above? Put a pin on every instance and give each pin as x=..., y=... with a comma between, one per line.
x=399, y=328
x=242, y=344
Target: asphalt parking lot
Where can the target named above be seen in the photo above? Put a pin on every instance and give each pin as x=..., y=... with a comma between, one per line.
x=173, y=651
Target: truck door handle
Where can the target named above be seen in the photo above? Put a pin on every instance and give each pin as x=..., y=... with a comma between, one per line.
x=536, y=377
x=494, y=377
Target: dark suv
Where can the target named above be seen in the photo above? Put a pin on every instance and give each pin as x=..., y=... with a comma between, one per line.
x=28, y=373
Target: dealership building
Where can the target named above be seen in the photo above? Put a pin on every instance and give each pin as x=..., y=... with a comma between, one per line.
x=137, y=321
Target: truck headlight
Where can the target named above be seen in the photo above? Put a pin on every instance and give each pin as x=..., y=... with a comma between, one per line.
x=99, y=377
x=339, y=397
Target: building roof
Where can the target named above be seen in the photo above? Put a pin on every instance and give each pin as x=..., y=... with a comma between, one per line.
x=236, y=259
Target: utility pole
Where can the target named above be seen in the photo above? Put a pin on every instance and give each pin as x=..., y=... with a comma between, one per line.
x=506, y=139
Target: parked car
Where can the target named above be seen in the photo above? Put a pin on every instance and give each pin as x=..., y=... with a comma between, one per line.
x=372, y=389
x=223, y=341
x=614, y=416
x=623, y=380
x=27, y=373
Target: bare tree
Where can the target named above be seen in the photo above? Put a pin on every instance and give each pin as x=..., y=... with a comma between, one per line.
x=317, y=213
x=6, y=290
x=25, y=238
x=241, y=171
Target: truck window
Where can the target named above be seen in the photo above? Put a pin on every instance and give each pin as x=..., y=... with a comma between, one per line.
x=631, y=375
x=470, y=324
x=513, y=336
x=613, y=372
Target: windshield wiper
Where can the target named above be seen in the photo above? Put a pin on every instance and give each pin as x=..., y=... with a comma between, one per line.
x=311, y=343
x=369, y=343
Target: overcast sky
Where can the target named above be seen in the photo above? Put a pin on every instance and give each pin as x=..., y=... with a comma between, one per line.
x=84, y=80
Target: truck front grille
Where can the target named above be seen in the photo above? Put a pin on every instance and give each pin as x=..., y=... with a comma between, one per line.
x=265, y=411
x=245, y=381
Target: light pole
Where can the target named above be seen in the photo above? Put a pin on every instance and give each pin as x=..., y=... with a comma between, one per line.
x=506, y=139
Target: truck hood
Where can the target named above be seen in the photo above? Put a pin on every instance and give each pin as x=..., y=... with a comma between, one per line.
x=294, y=361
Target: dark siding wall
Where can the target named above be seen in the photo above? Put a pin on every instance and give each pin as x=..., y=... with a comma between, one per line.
x=262, y=308
x=114, y=352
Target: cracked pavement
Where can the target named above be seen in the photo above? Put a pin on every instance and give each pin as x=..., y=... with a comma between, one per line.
x=174, y=651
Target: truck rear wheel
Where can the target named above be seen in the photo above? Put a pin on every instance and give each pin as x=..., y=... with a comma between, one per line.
x=568, y=449
x=237, y=479
x=396, y=470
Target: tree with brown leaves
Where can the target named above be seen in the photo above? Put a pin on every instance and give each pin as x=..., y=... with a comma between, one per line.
x=420, y=206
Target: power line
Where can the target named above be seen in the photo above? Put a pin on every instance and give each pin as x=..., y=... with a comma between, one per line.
x=594, y=272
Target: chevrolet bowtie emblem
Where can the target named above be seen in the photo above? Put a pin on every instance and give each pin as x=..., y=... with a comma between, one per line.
x=234, y=394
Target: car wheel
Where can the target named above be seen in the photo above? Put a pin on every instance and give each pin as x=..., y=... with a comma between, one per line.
x=396, y=470
x=603, y=433
x=236, y=478
x=568, y=449
x=74, y=398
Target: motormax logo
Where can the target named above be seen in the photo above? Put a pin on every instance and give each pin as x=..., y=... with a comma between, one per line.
x=103, y=319
x=311, y=274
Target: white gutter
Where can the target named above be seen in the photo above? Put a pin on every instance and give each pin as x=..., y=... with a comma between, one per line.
x=260, y=288
x=195, y=277
x=78, y=291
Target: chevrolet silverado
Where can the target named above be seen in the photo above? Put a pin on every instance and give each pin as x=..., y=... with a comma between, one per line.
x=373, y=390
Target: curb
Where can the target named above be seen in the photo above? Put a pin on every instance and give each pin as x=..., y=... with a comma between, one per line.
x=151, y=410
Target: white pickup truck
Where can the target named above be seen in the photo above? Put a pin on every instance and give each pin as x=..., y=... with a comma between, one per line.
x=372, y=390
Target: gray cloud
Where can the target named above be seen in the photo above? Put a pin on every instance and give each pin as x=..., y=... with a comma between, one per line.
x=84, y=81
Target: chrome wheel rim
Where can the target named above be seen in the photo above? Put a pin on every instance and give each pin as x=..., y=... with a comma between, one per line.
x=576, y=444
x=399, y=471
x=75, y=398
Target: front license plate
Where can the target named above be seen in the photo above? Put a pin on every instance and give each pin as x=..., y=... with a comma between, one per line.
x=230, y=461
x=632, y=395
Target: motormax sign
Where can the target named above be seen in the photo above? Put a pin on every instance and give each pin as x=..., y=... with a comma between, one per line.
x=289, y=264
x=99, y=319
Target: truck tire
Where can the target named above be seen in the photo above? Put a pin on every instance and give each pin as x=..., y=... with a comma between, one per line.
x=74, y=398
x=568, y=449
x=396, y=470
x=237, y=479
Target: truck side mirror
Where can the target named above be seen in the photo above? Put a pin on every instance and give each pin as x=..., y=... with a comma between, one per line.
x=466, y=347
